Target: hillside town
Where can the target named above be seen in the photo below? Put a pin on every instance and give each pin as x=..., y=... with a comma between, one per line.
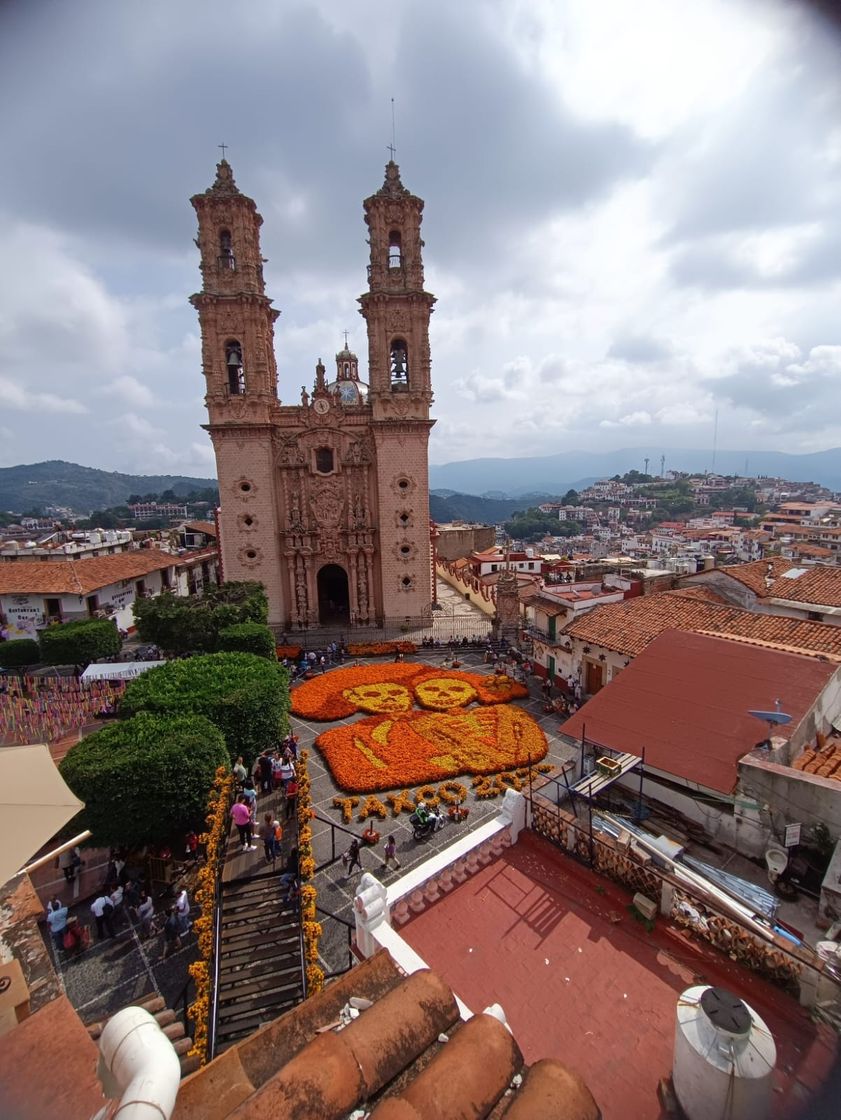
x=318, y=807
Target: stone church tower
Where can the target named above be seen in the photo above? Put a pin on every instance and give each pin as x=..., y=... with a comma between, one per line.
x=325, y=501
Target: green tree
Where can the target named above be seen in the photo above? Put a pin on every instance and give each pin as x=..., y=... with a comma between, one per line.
x=246, y=697
x=18, y=653
x=571, y=498
x=192, y=625
x=144, y=780
x=79, y=643
x=248, y=637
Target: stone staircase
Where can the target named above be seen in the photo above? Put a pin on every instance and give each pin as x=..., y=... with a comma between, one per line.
x=169, y=1023
x=261, y=962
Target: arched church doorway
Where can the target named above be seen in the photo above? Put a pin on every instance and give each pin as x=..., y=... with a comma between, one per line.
x=333, y=595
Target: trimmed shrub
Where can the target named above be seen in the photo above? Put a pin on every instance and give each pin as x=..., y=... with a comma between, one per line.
x=79, y=643
x=144, y=780
x=248, y=637
x=246, y=697
x=19, y=652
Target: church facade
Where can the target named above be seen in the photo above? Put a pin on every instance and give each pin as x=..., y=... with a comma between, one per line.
x=324, y=501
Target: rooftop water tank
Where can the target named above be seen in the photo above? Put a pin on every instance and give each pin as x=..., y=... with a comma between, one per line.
x=724, y=1057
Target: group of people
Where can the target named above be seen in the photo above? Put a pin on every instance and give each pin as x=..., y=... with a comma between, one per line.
x=334, y=653
x=123, y=899
x=274, y=770
x=352, y=859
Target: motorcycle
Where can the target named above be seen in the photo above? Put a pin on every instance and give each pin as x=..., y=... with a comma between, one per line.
x=422, y=829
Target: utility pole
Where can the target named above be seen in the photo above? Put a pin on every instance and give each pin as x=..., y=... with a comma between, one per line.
x=646, y=461
x=662, y=466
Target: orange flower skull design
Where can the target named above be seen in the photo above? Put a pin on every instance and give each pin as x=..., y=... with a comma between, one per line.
x=399, y=746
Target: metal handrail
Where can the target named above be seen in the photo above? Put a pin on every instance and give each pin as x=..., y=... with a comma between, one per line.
x=333, y=828
x=351, y=929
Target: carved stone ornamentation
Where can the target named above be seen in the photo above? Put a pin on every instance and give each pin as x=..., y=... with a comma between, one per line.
x=326, y=505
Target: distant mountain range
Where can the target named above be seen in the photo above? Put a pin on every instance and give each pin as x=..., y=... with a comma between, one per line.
x=555, y=474
x=487, y=490
x=83, y=489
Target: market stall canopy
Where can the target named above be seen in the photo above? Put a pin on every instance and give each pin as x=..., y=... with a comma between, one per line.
x=35, y=802
x=119, y=670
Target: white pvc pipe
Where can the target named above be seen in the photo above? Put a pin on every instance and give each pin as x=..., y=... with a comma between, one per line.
x=140, y=1063
x=57, y=851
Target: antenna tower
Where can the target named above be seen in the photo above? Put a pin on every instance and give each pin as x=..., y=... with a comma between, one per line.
x=662, y=465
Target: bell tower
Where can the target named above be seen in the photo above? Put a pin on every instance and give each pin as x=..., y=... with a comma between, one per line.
x=237, y=330
x=396, y=309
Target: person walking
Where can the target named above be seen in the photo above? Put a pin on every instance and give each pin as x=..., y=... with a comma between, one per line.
x=250, y=795
x=351, y=858
x=268, y=834
x=264, y=764
x=239, y=771
x=182, y=912
x=241, y=816
x=291, y=797
x=287, y=772
x=69, y=861
x=145, y=914
x=57, y=921
x=172, y=938
x=103, y=910
x=390, y=852
x=289, y=876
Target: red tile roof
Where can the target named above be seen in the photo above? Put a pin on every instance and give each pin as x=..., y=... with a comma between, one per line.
x=824, y=763
x=206, y=527
x=685, y=702
x=80, y=577
x=819, y=584
x=628, y=627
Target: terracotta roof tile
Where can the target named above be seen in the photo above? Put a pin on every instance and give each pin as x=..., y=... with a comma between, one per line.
x=80, y=577
x=685, y=701
x=826, y=763
x=206, y=527
x=819, y=584
x=388, y=1059
x=465, y=1078
x=628, y=627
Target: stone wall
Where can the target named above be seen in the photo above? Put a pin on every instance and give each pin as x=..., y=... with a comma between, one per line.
x=457, y=541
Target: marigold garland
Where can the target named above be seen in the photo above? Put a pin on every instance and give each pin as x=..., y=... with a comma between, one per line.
x=380, y=649
x=341, y=692
x=429, y=794
x=452, y=793
x=347, y=805
x=399, y=802
x=373, y=807
x=382, y=753
x=306, y=869
x=205, y=895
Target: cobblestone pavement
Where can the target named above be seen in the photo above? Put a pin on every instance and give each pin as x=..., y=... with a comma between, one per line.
x=119, y=970
x=335, y=887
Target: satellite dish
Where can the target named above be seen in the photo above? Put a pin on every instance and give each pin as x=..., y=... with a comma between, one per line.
x=777, y=717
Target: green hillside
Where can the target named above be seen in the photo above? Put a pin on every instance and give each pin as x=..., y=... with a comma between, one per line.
x=37, y=485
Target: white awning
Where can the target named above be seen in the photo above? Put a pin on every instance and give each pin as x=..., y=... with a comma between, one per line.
x=119, y=670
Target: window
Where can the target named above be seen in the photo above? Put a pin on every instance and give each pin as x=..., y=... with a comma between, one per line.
x=233, y=367
x=395, y=255
x=399, y=364
x=324, y=460
x=93, y=605
x=140, y=588
x=226, y=252
x=245, y=487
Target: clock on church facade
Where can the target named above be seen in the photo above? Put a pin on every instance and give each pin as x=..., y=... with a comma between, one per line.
x=325, y=500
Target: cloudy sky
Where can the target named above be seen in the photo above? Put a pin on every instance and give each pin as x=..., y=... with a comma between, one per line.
x=633, y=214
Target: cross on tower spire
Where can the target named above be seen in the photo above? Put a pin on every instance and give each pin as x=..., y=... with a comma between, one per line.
x=345, y=333
x=224, y=148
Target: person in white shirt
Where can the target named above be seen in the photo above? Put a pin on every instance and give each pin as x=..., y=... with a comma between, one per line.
x=182, y=911
x=102, y=909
